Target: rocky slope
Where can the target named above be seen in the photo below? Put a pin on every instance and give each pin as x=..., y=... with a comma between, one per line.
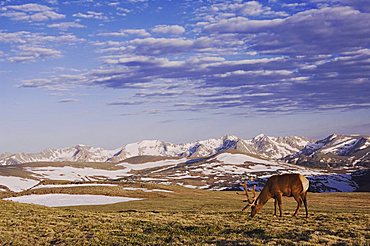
x=334, y=151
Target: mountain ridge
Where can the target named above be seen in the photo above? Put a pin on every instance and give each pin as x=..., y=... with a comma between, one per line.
x=332, y=151
x=202, y=148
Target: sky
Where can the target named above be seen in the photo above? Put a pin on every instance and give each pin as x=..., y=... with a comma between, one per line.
x=108, y=73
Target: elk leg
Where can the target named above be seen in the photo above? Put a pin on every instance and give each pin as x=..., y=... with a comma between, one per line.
x=275, y=205
x=246, y=206
x=299, y=204
x=279, y=199
x=304, y=198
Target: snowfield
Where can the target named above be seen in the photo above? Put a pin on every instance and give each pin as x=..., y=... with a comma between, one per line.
x=62, y=200
x=148, y=165
x=221, y=171
x=17, y=184
x=72, y=185
x=239, y=159
x=146, y=190
x=76, y=174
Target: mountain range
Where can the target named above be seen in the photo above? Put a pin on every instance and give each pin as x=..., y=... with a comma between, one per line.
x=332, y=151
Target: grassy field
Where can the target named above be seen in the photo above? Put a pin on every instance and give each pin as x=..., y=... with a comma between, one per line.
x=190, y=217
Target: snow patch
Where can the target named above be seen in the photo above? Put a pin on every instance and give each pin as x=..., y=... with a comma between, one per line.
x=62, y=200
x=17, y=184
x=148, y=165
x=76, y=174
x=147, y=190
x=72, y=185
x=238, y=159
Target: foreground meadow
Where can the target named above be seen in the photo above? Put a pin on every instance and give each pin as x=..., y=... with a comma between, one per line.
x=191, y=217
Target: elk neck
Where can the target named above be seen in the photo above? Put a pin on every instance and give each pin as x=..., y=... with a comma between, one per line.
x=264, y=196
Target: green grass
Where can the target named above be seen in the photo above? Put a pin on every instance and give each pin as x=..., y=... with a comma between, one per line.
x=190, y=217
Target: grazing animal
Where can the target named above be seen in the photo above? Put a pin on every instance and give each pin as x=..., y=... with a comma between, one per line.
x=277, y=186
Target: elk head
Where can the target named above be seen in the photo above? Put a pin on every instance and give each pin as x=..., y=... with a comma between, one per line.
x=255, y=209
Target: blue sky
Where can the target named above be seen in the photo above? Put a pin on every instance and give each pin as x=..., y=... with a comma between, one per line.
x=106, y=73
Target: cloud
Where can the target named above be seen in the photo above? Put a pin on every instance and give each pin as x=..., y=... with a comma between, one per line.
x=32, y=53
x=126, y=32
x=293, y=5
x=30, y=47
x=91, y=15
x=250, y=8
x=25, y=37
x=125, y=103
x=31, y=12
x=66, y=25
x=247, y=60
x=68, y=100
x=302, y=33
x=169, y=29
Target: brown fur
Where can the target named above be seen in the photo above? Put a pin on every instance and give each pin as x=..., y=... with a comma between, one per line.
x=277, y=186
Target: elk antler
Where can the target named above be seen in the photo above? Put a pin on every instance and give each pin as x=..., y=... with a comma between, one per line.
x=244, y=185
x=254, y=193
x=250, y=202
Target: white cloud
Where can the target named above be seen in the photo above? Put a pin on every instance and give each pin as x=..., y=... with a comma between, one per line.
x=29, y=47
x=66, y=25
x=32, y=53
x=30, y=12
x=30, y=7
x=169, y=29
x=249, y=8
x=242, y=24
x=126, y=32
x=242, y=73
x=293, y=5
x=91, y=15
x=24, y=37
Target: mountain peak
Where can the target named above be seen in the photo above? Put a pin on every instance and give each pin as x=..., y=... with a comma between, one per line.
x=79, y=146
x=231, y=137
x=261, y=137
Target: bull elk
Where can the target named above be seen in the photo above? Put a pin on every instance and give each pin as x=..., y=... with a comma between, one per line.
x=277, y=186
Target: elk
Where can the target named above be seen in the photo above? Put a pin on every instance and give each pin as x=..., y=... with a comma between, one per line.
x=277, y=186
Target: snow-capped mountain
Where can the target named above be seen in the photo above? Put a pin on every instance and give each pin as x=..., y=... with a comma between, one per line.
x=74, y=154
x=277, y=147
x=263, y=146
x=220, y=163
x=334, y=150
x=331, y=151
x=159, y=148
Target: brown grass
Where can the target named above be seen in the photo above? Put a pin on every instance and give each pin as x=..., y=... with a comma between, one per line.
x=187, y=216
